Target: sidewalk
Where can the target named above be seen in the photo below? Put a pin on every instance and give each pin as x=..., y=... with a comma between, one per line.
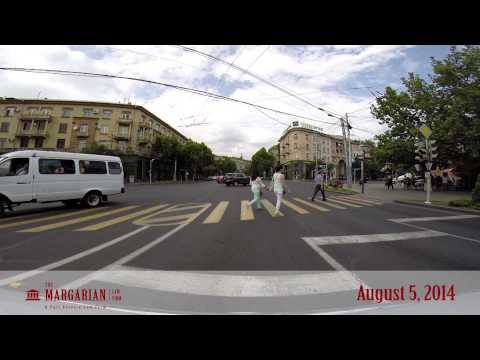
x=376, y=189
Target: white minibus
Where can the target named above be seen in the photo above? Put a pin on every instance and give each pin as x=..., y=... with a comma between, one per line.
x=49, y=176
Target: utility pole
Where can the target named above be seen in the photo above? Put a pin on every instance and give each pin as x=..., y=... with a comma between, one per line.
x=349, y=145
x=345, y=150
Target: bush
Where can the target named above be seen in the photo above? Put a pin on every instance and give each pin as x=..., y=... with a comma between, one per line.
x=460, y=203
x=476, y=191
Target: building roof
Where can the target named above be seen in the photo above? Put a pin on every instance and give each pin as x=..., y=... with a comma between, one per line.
x=7, y=100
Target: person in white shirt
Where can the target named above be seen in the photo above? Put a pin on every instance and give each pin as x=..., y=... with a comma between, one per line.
x=257, y=186
x=319, y=185
x=279, y=187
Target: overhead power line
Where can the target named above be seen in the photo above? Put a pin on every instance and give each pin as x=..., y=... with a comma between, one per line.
x=282, y=89
x=177, y=87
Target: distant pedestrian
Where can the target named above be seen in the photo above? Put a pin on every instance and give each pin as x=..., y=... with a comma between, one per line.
x=279, y=187
x=389, y=183
x=257, y=186
x=319, y=186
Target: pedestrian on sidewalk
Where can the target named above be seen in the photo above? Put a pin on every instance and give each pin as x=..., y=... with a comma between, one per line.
x=279, y=186
x=319, y=185
x=257, y=185
x=389, y=182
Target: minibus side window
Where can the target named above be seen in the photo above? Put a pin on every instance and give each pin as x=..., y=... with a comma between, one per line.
x=56, y=167
x=15, y=167
x=92, y=167
x=114, y=168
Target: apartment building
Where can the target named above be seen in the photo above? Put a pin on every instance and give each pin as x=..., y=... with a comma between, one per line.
x=302, y=145
x=71, y=125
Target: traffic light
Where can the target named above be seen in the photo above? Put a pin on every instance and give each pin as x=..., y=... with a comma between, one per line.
x=420, y=151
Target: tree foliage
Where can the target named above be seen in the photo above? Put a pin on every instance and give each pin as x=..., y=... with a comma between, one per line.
x=449, y=103
x=262, y=162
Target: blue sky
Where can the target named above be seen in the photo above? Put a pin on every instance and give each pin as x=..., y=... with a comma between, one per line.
x=325, y=75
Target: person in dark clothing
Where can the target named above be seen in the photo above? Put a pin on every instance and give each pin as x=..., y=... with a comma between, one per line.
x=319, y=184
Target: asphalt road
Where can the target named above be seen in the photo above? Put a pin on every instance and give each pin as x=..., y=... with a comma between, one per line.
x=193, y=248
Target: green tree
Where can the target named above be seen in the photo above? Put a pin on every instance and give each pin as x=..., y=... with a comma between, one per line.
x=262, y=161
x=449, y=104
x=225, y=165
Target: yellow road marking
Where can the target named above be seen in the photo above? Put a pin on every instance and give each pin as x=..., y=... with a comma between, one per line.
x=246, y=212
x=332, y=205
x=294, y=207
x=157, y=220
x=365, y=201
x=270, y=208
x=77, y=220
x=311, y=204
x=344, y=203
x=217, y=214
x=45, y=212
x=121, y=219
x=355, y=201
x=47, y=218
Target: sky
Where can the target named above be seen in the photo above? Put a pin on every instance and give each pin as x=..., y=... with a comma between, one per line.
x=337, y=78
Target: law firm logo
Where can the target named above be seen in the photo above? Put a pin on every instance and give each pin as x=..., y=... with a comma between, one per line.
x=32, y=295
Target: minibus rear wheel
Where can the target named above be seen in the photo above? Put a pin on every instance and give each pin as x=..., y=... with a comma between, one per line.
x=92, y=199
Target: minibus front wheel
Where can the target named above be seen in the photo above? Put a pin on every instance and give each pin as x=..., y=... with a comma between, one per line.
x=92, y=199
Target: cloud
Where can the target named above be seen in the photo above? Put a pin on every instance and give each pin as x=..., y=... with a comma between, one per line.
x=323, y=73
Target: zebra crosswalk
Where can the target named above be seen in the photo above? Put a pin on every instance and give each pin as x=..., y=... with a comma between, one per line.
x=91, y=220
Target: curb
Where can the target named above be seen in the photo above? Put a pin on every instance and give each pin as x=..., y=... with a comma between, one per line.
x=449, y=208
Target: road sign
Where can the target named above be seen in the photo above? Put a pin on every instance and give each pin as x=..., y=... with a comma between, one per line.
x=426, y=131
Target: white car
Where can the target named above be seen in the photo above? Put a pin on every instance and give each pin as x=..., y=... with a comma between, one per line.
x=48, y=176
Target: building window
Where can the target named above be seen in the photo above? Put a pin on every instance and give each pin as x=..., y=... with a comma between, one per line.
x=123, y=130
x=105, y=130
x=87, y=112
x=122, y=145
x=5, y=127
x=308, y=156
x=46, y=111
x=10, y=111
x=67, y=112
x=126, y=115
x=24, y=142
x=63, y=128
x=295, y=145
x=3, y=143
x=83, y=129
x=38, y=142
x=61, y=144
x=82, y=145
x=32, y=111
x=307, y=146
x=107, y=114
x=107, y=144
x=92, y=167
x=56, y=166
x=295, y=137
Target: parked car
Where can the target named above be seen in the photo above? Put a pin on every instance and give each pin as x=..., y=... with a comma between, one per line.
x=211, y=178
x=220, y=179
x=48, y=176
x=236, y=179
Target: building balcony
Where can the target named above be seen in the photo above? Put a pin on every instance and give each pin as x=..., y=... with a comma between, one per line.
x=35, y=116
x=82, y=134
x=121, y=136
x=32, y=132
x=143, y=140
x=124, y=121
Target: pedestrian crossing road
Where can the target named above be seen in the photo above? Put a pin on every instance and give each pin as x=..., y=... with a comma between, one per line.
x=90, y=220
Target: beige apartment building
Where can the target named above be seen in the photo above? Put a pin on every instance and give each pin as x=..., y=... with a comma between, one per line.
x=302, y=145
x=66, y=125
